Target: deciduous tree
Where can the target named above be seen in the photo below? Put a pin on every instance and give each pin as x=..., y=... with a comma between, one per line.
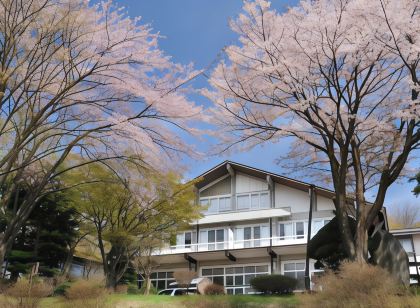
x=127, y=210
x=79, y=77
x=341, y=79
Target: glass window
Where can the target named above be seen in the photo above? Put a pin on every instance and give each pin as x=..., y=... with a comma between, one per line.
x=257, y=232
x=211, y=236
x=187, y=239
x=161, y=284
x=255, y=201
x=206, y=271
x=243, y=202
x=161, y=274
x=229, y=270
x=264, y=201
x=261, y=269
x=239, y=270
x=286, y=230
x=220, y=235
x=224, y=204
x=214, y=206
x=300, y=229
x=249, y=269
x=218, y=280
x=239, y=291
x=229, y=280
x=296, y=270
x=239, y=280
x=248, y=279
x=218, y=271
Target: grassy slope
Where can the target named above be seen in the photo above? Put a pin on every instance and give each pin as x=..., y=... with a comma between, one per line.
x=123, y=300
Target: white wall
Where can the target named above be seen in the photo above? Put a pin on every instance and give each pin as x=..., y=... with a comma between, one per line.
x=246, y=183
x=324, y=203
x=416, y=242
x=296, y=199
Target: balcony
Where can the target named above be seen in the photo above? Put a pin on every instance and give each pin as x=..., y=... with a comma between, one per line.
x=236, y=244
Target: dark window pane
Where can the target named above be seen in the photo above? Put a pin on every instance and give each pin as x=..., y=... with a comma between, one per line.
x=229, y=280
x=229, y=270
x=187, y=238
x=229, y=291
x=282, y=230
x=153, y=275
x=161, y=284
x=218, y=280
x=218, y=271
x=239, y=280
x=239, y=270
x=211, y=236
x=220, y=235
x=247, y=233
x=170, y=275
x=207, y=272
x=248, y=279
x=161, y=275
x=299, y=229
x=249, y=269
x=154, y=283
x=239, y=291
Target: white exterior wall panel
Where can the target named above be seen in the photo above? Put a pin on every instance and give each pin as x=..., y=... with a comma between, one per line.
x=324, y=203
x=246, y=183
x=296, y=199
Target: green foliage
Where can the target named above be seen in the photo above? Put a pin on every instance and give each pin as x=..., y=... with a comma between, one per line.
x=142, y=290
x=274, y=284
x=60, y=290
x=45, y=237
x=416, y=189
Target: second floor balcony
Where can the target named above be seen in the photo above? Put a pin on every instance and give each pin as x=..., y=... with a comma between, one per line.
x=233, y=244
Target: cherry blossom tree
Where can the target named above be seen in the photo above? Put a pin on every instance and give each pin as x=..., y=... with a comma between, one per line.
x=340, y=77
x=82, y=79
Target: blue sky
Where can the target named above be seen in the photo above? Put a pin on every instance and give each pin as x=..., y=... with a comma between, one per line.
x=196, y=31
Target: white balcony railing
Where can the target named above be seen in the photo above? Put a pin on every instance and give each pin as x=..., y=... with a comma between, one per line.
x=236, y=244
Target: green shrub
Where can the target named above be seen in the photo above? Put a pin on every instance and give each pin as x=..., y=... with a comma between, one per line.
x=133, y=289
x=60, y=290
x=274, y=284
x=214, y=289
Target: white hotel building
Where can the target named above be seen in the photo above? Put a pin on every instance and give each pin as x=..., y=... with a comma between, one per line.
x=256, y=223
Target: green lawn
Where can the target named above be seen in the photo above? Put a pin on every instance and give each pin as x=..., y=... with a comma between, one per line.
x=155, y=301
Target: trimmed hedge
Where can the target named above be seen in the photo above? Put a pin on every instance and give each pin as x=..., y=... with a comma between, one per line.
x=274, y=284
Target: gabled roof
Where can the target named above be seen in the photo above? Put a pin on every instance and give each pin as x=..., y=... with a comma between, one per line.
x=221, y=170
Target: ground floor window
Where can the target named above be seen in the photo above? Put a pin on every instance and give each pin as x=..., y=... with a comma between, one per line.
x=236, y=279
x=295, y=270
x=160, y=280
